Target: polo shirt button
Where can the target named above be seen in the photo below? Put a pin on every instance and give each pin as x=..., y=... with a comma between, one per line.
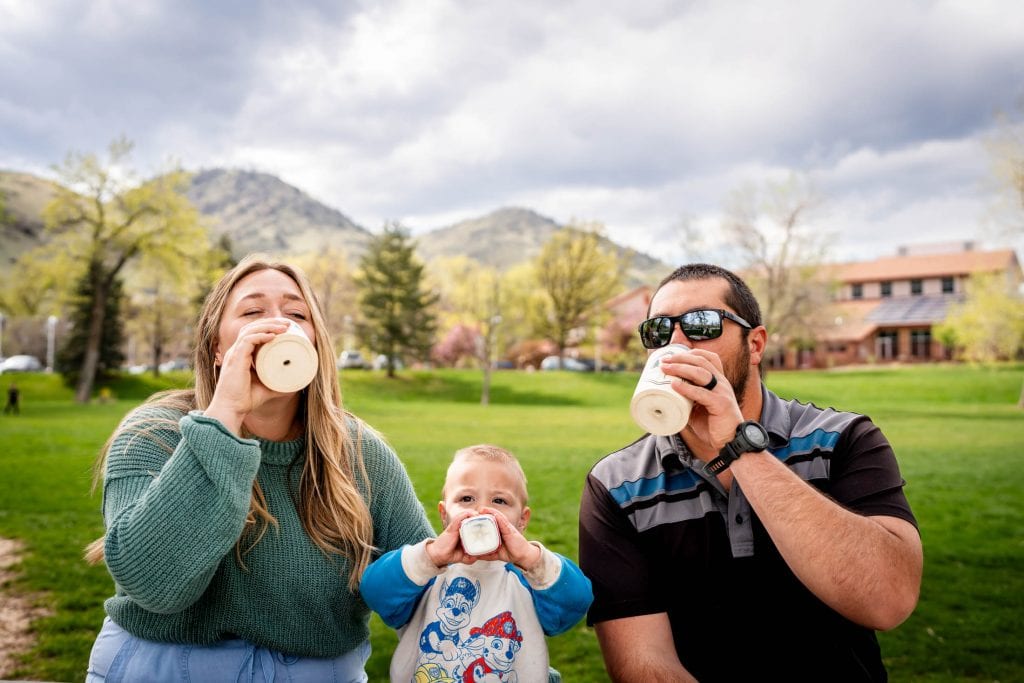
x=739, y=519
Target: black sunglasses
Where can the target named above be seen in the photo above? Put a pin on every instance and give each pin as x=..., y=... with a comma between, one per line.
x=698, y=325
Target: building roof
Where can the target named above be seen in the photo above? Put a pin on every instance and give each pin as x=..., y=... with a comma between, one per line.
x=928, y=265
x=908, y=310
x=850, y=322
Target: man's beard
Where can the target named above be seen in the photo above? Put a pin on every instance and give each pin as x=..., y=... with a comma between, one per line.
x=738, y=373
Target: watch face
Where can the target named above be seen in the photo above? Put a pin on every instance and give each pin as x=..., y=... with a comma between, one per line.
x=755, y=435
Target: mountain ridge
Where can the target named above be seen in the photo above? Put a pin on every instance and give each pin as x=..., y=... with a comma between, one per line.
x=260, y=212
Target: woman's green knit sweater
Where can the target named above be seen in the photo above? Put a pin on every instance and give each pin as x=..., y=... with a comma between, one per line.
x=175, y=499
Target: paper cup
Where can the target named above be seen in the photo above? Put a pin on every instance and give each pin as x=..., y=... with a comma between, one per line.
x=655, y=405
x=480, y=535
x=288, y=362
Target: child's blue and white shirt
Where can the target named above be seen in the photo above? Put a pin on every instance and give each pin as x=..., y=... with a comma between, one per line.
x=474, y=622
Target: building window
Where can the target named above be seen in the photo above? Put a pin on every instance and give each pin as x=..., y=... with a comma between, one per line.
x=947, y=285
x=916, y=287
x=920, y=343
x=886, y=289
x=857, y=291
x=886, y=345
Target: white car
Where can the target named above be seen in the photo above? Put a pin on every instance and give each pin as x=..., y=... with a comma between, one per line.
x=21, y=363
x=352, y=359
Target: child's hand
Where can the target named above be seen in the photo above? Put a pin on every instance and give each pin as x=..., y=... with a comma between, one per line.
x=447, y=549
x=514, y=547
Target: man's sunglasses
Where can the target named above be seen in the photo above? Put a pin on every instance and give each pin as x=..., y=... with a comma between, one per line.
x=698, y=325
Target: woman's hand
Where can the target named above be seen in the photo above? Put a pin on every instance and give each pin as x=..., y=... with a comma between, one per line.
x=239, y=391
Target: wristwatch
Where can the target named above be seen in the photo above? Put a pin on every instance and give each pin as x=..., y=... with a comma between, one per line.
x=750, y=437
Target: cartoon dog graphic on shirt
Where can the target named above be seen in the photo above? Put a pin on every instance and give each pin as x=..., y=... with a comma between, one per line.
x=494, y=646
x=456, y=603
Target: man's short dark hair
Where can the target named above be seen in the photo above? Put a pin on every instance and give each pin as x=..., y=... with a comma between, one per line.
x=739, y=297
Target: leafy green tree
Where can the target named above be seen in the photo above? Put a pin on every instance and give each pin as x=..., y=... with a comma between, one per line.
x=472, y=293
x=70, y=357
x=332, y=279
x=1006, y=149
x=102, y=219
x=575, y=276
x=396, y=307
x=988, y=325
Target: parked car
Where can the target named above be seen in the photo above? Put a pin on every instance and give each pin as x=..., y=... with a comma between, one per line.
x=21, y=363
x=567, y=363
x=381, y=362
x=175, y=364
x=352, y=359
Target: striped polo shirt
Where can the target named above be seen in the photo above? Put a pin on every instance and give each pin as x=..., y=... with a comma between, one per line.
x=658, y=533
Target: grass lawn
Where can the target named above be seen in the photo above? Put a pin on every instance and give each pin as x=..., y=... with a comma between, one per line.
x=956, y=430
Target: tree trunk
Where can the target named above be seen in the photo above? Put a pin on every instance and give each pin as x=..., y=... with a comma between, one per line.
x=485, y=393
x=92, y=347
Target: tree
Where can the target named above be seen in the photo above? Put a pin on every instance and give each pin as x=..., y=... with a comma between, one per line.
x=101, y=219
x=782, y=255
x=989, y=325
x=1006, y=148
x=473, y=296
x=396, y=307
x=575, y=276
x=331, y=278
x=69, y=359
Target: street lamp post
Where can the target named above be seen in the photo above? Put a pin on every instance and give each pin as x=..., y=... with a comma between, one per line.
x=51, y=332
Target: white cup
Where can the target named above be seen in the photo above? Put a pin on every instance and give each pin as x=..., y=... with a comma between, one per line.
x=288, y=362
x=655, y=405
x=480, y=535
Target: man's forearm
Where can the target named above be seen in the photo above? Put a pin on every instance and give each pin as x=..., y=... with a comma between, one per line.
x=866, y=568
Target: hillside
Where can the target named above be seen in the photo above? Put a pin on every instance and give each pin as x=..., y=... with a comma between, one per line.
x=509, y=236
x=24, y=198
x=260, y=212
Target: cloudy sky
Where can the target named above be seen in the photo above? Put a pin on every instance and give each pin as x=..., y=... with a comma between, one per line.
x=643, y=115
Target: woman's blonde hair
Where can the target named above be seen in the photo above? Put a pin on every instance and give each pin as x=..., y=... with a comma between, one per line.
x=331, y=506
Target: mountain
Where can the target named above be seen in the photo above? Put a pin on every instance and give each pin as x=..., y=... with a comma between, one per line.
x=260, y=212
x=509, y=236
x=24, y=197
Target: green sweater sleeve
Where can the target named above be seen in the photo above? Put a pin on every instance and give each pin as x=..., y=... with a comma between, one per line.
x=175, y=499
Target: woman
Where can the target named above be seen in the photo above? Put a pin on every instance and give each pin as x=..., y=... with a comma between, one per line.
x=239, y=520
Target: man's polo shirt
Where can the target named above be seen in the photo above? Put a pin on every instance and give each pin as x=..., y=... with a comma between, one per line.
x=658, y=533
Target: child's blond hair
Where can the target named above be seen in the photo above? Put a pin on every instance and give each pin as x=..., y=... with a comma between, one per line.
x=490, y=453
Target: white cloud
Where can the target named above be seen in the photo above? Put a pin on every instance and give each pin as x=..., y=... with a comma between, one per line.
x=633, y=114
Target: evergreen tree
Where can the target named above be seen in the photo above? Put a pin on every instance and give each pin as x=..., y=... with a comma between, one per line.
x=70, y=358
x=397, y=311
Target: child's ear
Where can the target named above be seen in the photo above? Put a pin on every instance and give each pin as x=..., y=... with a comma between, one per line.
x=524, y=519
x=441, y=510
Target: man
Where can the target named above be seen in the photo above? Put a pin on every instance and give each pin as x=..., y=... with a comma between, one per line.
x=729, y=552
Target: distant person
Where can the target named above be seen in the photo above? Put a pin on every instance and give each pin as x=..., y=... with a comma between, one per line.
x=767, y=540
x=13, y=396
x=477, y=617
x=239, y=520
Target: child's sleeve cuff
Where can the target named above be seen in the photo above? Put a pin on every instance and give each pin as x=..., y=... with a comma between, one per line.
x=417, y=565
x=546, y=572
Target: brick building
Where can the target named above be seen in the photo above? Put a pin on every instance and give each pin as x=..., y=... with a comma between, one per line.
x=885, y=310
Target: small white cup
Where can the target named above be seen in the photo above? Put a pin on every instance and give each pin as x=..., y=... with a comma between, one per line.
x=655, y=405
x=288, y=362
x=480, y=535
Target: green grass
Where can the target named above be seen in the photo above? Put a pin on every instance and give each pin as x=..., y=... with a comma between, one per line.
x=956, y=430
